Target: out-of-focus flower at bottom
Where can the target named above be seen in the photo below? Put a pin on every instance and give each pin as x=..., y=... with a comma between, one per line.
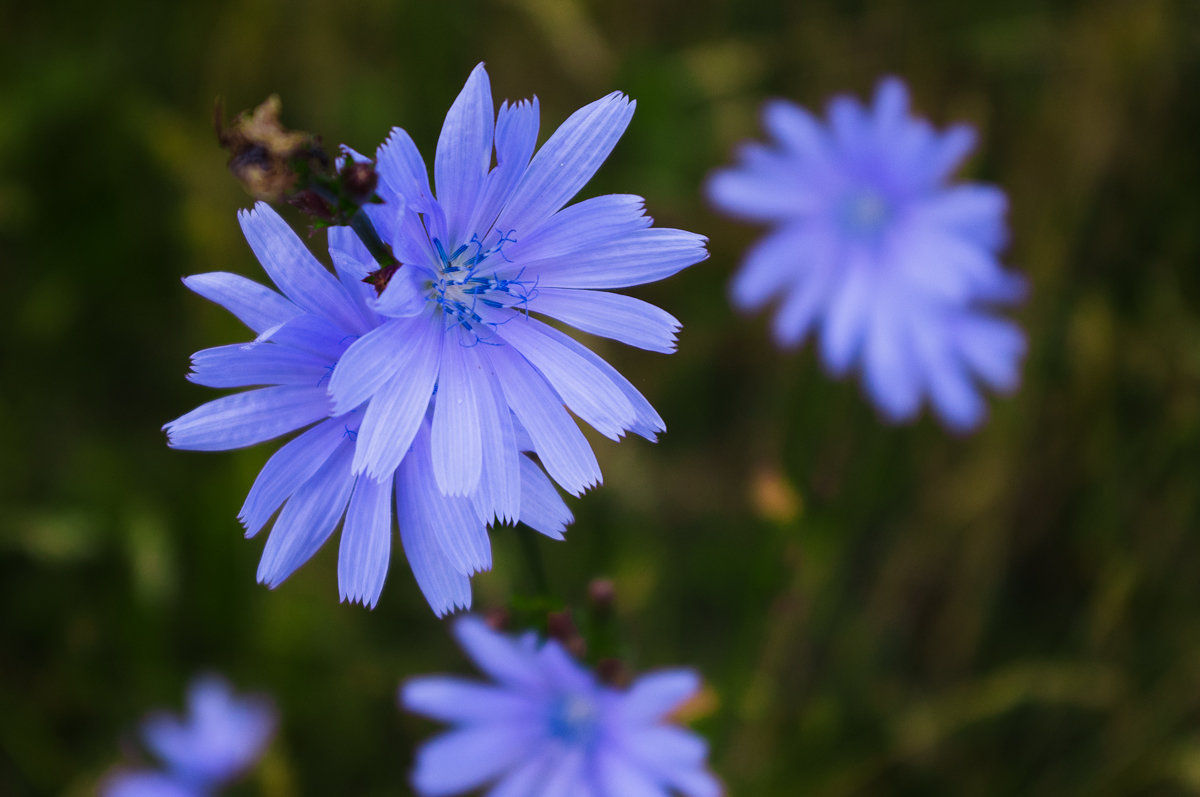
x=548, y=728
x=220, y=738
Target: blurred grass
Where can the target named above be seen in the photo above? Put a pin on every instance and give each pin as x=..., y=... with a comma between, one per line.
x=877, y=610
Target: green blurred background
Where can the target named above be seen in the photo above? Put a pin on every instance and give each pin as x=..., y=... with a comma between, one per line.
x=876, y=610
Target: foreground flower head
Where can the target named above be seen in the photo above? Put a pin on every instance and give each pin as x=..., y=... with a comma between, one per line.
x=872, y=247
x=494, y=248
x=301, y=335
x=219, y=739
x=548, y=728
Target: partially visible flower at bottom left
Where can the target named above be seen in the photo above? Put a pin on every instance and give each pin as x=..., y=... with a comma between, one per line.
x=219, y=739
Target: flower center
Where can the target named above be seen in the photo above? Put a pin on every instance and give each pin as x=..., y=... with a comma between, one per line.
x=574, y=720
x=864, y=213
x=466, y=283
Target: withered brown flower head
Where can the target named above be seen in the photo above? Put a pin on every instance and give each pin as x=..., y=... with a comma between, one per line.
x=266, y=157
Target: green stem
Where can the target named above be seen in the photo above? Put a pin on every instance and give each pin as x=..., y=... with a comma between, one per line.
x=365, y=230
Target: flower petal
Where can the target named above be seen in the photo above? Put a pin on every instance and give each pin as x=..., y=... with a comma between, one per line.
x=496, y=655
x=244, y=419
x=458, y=700
x=516, y=136
x=464, y=151
x=293, y=267
x=466, y=759
x=245, y=365
x=372, y=360
x=499, y=492
x=459, y=531
x=611, y=315
x=561, y=446
x=395, y=412
x=256, y=306
x=457, y=432
x=445, y=588
x=580, y=227
x=643, y=256
x=366, y=543
x=308, y=518
x=542, y=508
x=656, y=694
x=585, y=390
x=287, y=469
x=567, y=161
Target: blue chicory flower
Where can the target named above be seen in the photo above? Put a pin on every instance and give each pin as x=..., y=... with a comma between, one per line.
x=874, y=248
x=301, y=335
x=493, y=249
x=220, y=738
x=547, y=728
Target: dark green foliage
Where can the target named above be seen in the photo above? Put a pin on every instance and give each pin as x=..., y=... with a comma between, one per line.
x=877, y=610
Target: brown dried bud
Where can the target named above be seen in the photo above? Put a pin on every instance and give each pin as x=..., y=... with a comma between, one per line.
x=264, y=155
x=497, y=619
x=311, y=203
x=613, y=672
x=380, y=278
x=360, y=180
x=602, y=593
x=560, y=626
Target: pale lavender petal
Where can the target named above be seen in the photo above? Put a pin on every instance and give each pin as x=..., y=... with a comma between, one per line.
x=892, y=375
x=561, y=446
x=293, y=267
x=372, y=360
x=846, y=322
x=516, y=136
x=524, y=780
x=457, y=528
x=221, y=735
x=287, y=469
x=256, y=306
x=647, y=422
x=308, y=518
x=464, y=151
x=147, y=784
x=466, y=759
x=775, y=262
x=457, y=700
x=542, y=508
x=244, y=419
x=611, y=315
x=620, y=778
x=445, y=588
x=311, y=333
x=499, y=490
x=653, y=696
x=579, y=228
x=402, y=168
x=567, y=161
x=366, y=544
x=395, y=412
x=457, y=423
x=643, y=256
x=249, y=364
x=497, y=655
x=585, y=390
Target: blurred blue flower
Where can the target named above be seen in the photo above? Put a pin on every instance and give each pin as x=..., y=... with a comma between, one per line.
x=219, y=739
x=548, y=728
x=873, y=246
x=300, y=337
x=493, y=248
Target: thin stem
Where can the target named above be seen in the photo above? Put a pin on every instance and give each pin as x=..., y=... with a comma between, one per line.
x=362, y=226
